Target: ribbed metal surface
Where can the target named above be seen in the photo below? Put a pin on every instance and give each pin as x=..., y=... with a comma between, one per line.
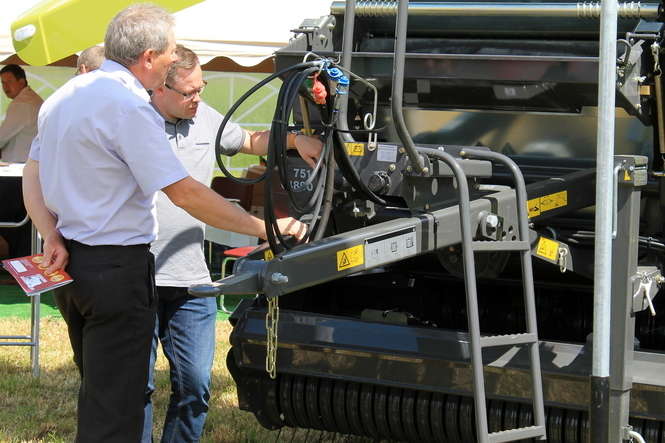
x=395, y=414
x=589, y=10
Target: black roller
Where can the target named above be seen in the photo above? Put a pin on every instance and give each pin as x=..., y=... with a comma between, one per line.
x=409, y=416
x=451, y=420
x=572, y=427
x=395, y=414
x=339, y=407
x=367, y=410
x=495, y=416
x=423, y=416
x=555, y=425
x=585, y=430
x=652, y=431
x=467, y=422
x=437, y=412
x=525, y=419
x=298, y=402
x=381, y=411
x=285, y=393
x=511, y=416
x=312, y=403
x=353, y=408
x=325, y=405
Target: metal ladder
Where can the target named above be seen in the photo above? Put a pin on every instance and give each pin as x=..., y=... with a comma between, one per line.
x=478, y=342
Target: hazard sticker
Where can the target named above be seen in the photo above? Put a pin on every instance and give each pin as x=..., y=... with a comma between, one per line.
x=626, y=175
x=547, y=248
x=268, y=255
x=348, y=258
x=355, y=149
x=537, y=206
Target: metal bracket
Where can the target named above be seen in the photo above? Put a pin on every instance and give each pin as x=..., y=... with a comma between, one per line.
x=314, y=35
x=629, y=74
x=646, y=284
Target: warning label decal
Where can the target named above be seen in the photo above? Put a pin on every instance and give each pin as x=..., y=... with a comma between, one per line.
x=547, y=248
x=355, y=149
x=537, y=206
x=350, y=257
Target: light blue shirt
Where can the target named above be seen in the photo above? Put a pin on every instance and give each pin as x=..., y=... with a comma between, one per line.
x=103, y=155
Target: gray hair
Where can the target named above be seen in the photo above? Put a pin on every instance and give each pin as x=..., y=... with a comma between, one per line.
x=186, y=59
x=136, y=29
x=92, y=58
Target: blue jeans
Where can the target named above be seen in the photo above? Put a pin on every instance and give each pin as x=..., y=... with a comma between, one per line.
x=186, y=328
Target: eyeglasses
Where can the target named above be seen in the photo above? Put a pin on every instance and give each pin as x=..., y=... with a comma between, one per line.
x=190, y=95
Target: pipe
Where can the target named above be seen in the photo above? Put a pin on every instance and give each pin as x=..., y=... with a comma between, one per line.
x=347, y=51
x=600, y=370
x=585, y=10
x=398, y=87
x=636, y=436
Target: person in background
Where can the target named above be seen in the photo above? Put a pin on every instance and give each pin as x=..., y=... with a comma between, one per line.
x=16, y=133
x=20, y=124
x=98, y=160
x=185, y=324
x=90, y=59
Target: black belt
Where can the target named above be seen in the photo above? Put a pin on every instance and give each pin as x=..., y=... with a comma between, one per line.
x=73, y=244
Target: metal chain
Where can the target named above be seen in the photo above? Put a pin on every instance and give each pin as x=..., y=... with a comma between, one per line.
x=655, y=52
x=272, y=317
x=563, y=252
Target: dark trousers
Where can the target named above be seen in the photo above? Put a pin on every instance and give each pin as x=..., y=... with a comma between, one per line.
x=110, y=313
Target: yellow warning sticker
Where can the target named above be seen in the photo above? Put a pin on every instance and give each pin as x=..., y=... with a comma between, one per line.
x=626, y=175
x=547, y=248
x=537, y=206
x=268, y=255
x=348, y=258
x=355, y=149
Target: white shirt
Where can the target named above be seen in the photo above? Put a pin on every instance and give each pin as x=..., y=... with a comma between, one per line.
x=20, y=126
x=103, y=155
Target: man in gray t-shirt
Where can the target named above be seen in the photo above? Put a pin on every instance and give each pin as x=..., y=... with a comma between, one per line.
x=185, y=324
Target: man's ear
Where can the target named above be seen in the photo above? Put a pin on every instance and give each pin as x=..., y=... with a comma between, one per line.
x=148, y=58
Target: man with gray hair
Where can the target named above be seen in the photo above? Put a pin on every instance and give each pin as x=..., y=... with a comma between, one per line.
x=89, y=186
x=90, y=59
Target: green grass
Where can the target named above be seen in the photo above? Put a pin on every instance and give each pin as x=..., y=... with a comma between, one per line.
x=44, y=409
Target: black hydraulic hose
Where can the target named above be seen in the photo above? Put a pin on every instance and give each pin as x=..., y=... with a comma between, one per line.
x=322, y=223
x=350, y=174
x=241, y=100
x=277, y=160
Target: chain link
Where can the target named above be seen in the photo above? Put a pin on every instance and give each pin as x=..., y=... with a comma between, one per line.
x=563, y=253
x=655, y=52
x=272, y=318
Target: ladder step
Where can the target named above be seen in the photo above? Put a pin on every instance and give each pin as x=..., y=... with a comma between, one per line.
x=501, y=246
x=517, y=434
x=508, y=339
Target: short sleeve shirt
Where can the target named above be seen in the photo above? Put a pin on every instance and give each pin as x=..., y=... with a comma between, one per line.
x=178, y=250
x=102, y=156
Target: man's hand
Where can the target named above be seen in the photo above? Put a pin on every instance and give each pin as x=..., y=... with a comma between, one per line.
x=309, y=148
x=55, y=253
x=291, y=226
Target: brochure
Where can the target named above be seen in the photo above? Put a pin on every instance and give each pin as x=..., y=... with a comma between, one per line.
x=30, y=274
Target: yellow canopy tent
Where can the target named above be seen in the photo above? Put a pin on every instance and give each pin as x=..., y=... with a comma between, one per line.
x=54, y=29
